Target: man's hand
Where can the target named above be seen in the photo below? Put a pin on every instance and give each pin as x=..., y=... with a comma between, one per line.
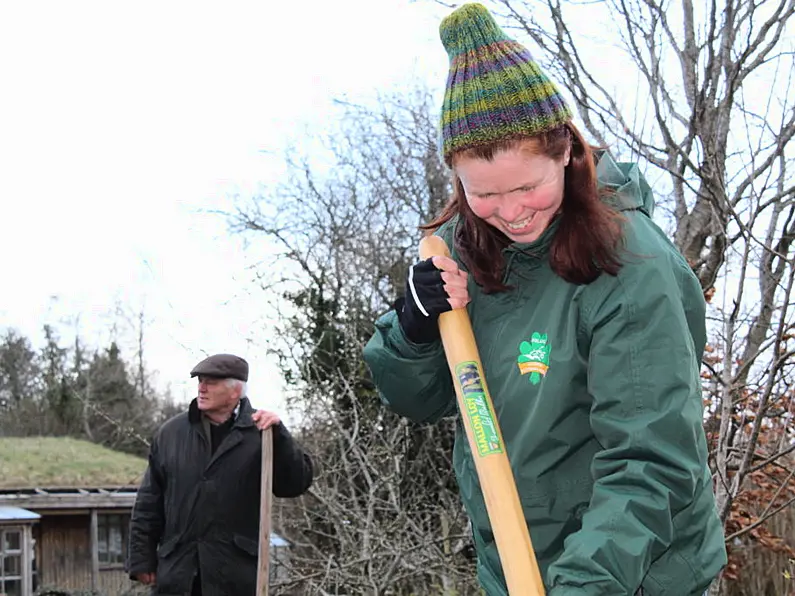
x=147, y=578
x=264, y=419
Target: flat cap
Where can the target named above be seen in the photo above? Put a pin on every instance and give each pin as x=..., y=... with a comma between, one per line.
x=224, y=366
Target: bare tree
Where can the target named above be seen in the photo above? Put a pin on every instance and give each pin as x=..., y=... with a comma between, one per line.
x=712, y=119
x=383, y=516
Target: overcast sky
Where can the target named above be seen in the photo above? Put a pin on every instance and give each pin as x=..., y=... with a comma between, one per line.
x=123, y=123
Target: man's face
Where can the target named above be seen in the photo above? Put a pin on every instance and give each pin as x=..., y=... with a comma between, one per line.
x=217, y=395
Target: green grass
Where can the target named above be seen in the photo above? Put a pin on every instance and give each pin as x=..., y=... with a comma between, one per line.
x=62, y=462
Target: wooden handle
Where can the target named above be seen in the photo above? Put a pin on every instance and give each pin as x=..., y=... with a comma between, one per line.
x=496, y=478
x=266, y=494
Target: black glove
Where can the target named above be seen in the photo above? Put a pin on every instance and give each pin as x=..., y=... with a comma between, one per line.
x=425, y=299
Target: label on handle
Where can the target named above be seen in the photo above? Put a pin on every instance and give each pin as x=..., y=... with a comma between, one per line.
x=477, y=409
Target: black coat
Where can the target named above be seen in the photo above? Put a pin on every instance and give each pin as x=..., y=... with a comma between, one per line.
x=196, y=510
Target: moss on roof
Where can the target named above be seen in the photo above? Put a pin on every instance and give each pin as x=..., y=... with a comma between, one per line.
x=63, y=462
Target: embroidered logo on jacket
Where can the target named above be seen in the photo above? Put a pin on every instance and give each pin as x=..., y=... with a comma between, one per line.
x=534, y=357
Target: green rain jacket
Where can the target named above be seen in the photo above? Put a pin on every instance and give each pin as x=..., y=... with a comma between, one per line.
x=596, y=389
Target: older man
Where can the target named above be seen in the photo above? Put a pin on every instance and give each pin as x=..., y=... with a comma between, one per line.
x=195, y=524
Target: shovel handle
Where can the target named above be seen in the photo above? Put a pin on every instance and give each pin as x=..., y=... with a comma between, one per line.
x=266, y=494
x=504, y=509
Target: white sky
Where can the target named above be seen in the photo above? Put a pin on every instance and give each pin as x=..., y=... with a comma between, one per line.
x=121, y=123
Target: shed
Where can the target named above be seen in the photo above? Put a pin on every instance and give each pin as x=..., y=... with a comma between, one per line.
x=81, y=495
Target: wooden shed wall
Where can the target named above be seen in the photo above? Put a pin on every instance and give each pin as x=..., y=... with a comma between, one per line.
x=63, y=556
x=63, y=552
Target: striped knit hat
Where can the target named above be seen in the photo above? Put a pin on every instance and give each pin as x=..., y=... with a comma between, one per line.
x=495, y=90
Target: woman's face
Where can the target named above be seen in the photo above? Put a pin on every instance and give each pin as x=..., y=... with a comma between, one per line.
x=517, y=192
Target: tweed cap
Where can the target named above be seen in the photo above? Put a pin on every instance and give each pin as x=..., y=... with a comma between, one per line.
x=223, y=366
x=495, y=90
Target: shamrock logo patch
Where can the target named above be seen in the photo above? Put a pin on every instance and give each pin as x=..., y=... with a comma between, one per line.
x=534, y=357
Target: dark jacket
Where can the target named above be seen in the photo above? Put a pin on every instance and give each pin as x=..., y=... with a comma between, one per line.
x=197, y=510
x=597, y=393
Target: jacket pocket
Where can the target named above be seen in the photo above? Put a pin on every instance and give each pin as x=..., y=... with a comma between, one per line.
x=174, y=569
x=247, y=545
x=167, y=547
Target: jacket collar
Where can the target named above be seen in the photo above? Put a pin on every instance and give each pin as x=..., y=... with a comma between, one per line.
x=629, y=189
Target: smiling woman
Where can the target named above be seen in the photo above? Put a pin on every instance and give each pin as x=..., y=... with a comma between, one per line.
x=511, y=190
x=590, y=325
x=518, y=192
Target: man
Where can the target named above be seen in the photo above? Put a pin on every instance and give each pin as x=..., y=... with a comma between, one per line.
x=195, y=525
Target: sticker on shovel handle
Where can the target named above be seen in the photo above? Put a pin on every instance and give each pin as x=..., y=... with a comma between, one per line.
x=477, y=409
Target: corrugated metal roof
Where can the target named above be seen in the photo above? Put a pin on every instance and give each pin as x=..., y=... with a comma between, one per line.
x=17, y=514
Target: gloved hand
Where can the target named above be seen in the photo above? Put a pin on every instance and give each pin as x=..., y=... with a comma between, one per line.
x=433, y=286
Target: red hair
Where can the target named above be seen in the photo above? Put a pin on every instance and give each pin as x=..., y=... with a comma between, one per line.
x=588, y=237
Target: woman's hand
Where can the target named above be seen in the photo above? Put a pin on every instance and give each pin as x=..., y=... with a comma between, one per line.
x=433, y=286
x=455, y=281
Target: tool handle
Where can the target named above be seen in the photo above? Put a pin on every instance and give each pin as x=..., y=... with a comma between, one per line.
x=266, y=497
x=483, y=432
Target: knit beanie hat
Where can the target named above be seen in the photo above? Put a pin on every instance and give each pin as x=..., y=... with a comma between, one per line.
x=495, y=90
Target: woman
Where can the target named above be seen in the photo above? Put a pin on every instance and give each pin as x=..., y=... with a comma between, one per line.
x=590, y=325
